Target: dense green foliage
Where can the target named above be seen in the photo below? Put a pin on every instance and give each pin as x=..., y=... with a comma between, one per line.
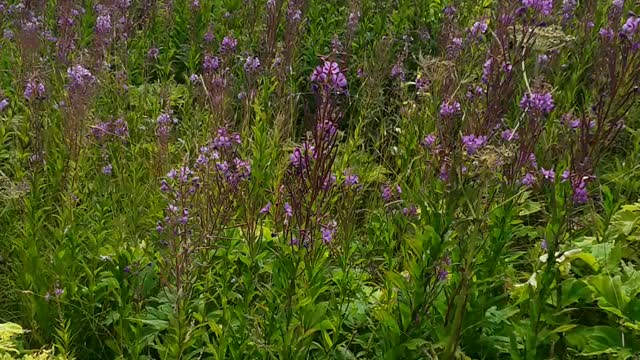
x=407, y=213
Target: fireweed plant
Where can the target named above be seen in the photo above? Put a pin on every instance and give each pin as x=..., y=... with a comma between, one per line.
x=319, y=179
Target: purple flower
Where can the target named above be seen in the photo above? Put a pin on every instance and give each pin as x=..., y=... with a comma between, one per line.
x=330, y=76
x=294, y=15
x=570, y=121
x=449, y=11
x=544, y=7
x=543, y=244
x=487, y=69
x=444, y=173
x=454, y=48
x=328, y=182
x=509, y=135
x=265, y=209
x=153, y=53
x=607, y=35
x=159, y=227
x=194, y=78
x=580, y=194
x=121, y=128
x=473, y=143
x=390, y=193
x=252, y=64
x=211, y=63
x=107, y=169
x=548, y=174
x=568, y=8
x=428, y=141
x=327, y=232
x=410, y=211
x=228, y=45
x=397, y=72
x=449, y=109
x=3, y=104
x=618, y=4
x=478, y=29
x=288, y=211
x=34, y=88
x=164, y=186
x=350, y=179
x=630, y=27
x=543, y=59
x=209, y=37
x=422, y=84
x=225, y=139
x=79, y=77
x=103, y=24
x=442, y=274
x=528, y=180
x=537, y=103
x=566, y=175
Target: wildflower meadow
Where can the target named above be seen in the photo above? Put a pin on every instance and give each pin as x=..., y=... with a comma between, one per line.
x=305, y=179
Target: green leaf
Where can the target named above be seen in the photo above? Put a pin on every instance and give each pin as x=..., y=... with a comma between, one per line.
x=563, y=328
x=611, y=296
x=414, y=344
x=597, y=340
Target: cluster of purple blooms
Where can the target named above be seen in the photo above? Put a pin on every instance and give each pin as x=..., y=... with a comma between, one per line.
x=164, y=124
x=351, y=180
x=390, y=192
x=182, y=184
x=510, y=135
x=34, y=89
x=473, y=143
x=328, y=231
x=428, y=141
x=330, y=77
x=449, y=109
x=219, y=155
x=422, y=84
x=543, y=7
x=568, y=10
x=80, y=78
x=478, y=29
x=607, y=34
x=302, y=156
x=537, y=103
x=397, y=72
x=455, y=47
x=106, y=130
x=578, y=184
x=103, y=25
x=228, y=45
x=211, y=63
x=252, y=65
